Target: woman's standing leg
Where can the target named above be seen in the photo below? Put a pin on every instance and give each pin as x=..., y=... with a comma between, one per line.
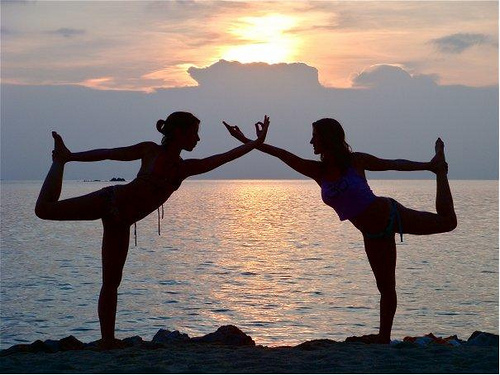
x=115, y=244
x=382, y=257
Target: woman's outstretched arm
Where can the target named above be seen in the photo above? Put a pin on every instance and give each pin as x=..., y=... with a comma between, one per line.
x=128, y=153
x=191, y=167
x=308, y=168
x=372, y=163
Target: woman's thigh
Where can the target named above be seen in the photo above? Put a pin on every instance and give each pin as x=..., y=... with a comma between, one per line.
x=86, y=207
x=115, y=243
x=381, y=254
x=419, y=222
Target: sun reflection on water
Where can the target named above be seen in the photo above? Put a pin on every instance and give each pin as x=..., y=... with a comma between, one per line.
x=266, y=256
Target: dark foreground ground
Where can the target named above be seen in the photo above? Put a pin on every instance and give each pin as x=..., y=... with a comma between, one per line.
x=241, y=355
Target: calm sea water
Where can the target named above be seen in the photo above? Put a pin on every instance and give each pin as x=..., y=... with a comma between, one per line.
x=266, y=256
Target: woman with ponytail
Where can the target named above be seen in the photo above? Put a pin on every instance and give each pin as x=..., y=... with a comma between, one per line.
x=161, y=173
x=341, y=176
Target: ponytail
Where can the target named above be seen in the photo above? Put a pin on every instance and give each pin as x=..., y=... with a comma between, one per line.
x=160, y=124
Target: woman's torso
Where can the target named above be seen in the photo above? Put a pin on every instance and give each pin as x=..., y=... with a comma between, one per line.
x=350, y=195
x=157, y=179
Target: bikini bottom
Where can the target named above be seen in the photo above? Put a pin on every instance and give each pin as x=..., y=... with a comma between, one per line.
x=389, y=229
x=112, y=212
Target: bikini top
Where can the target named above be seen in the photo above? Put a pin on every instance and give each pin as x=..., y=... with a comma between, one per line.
x=349, y=195
x=159, y=173
x=154, y=176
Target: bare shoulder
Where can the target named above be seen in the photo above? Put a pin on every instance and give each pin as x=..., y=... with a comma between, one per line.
x=361, y=162
x=148, y=150
x=149, y=147
x=359, y=159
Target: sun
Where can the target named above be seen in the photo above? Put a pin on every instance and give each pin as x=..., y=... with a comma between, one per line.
x=262, y=39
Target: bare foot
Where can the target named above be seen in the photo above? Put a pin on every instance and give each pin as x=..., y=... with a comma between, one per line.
x=368, y=339
x=61, y=152
x=439, y=148
x=110, y=345
x=438, y=162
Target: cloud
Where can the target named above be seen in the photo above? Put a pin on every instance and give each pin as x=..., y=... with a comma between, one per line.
x=18, y=2
x=390, y=75
x=402, y=120
x=103, y=83
x=67, y=32
x=279, y=76
x=192, y=10
x=458, y=43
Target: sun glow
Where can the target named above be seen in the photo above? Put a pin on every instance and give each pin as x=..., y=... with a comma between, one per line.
x=264, y=39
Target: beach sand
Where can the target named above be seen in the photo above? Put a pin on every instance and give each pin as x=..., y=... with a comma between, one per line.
x=191, y=356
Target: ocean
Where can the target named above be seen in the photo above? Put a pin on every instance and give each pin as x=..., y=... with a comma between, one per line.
x=267, y=256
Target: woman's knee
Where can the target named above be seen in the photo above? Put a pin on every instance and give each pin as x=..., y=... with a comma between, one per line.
x=111, y=286
x=448, y=223
x=43, y=211
x=452, y=222
x=387, y=288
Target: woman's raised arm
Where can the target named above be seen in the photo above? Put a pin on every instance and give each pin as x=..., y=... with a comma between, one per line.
x=308, y=168
x=191, y=167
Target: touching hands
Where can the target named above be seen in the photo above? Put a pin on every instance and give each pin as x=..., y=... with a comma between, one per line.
x=260, y=129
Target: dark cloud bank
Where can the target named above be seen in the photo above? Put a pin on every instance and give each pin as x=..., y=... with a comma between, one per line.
x=389, y=113
x=458, y=43
x=67, y=32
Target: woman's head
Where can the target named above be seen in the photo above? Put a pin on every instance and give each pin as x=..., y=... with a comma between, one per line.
x=180, y=127
x=329, y=141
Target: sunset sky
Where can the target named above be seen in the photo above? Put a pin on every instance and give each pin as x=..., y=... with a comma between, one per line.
x=396, y=74
x=140, y=45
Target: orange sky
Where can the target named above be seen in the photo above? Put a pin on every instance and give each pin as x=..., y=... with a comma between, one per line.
x=148, y=45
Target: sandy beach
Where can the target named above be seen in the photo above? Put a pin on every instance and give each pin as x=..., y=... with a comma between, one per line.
x=237, y=353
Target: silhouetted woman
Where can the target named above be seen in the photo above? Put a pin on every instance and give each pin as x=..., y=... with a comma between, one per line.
x=161, y=173
x=341, y=176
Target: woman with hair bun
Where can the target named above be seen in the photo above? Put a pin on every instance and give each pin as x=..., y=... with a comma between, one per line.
x=341, y=175
x=161, y=173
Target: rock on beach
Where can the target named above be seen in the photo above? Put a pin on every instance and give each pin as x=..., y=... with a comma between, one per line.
x=228, y=349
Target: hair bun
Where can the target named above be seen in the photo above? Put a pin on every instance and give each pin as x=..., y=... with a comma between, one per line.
x=160, y=124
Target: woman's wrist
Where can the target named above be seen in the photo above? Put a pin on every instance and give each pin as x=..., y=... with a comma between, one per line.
x=254, y=143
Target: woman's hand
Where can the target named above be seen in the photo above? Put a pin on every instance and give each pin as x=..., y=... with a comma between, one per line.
x=261, y=129
x=191, y=167
x=236, y=132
